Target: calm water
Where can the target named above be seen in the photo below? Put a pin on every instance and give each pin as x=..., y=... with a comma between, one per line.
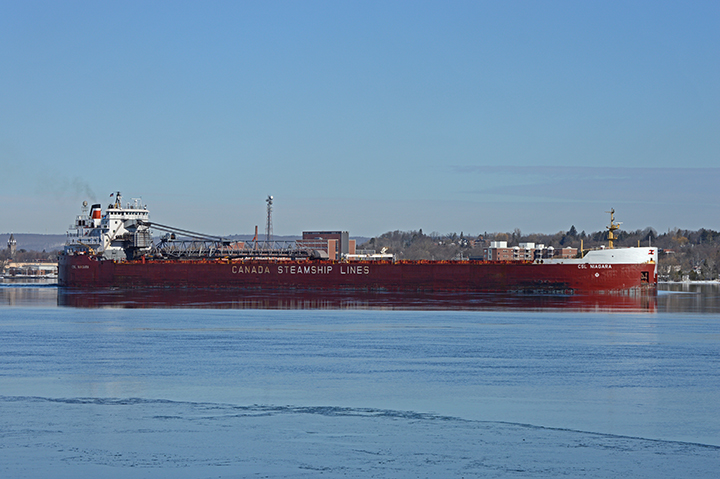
x=208, y=384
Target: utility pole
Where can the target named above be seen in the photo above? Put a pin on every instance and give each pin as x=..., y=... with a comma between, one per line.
x=268, y=228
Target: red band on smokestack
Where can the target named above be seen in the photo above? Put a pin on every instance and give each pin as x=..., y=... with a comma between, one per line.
x=96, y=212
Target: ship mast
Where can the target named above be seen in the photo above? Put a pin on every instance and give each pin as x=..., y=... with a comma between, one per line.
x=612, y=228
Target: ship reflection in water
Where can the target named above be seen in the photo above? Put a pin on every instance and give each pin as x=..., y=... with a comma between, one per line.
x=671, y=297
x=297, y=299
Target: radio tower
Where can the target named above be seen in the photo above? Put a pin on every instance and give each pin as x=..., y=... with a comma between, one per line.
x=268, y=228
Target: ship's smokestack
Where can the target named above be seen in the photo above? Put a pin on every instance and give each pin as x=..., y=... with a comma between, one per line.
x=96, y=214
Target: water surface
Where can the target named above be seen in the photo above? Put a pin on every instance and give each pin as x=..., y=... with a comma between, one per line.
x=154, y=384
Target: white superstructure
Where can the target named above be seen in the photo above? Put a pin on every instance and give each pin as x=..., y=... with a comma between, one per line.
x=613, y=256
x=121, y=233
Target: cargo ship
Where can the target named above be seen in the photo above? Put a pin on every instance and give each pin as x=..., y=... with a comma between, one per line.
x=116, y=249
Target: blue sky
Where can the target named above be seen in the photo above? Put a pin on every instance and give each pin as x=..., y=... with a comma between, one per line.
x=362, y=116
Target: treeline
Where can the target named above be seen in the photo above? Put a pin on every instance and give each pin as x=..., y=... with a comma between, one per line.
x=684, y=254
x=24, y=256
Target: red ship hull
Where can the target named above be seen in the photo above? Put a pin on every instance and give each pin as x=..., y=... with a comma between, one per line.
x=85, y=271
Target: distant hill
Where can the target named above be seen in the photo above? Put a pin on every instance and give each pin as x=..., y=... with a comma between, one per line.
x=48, y=243
x=34, y=242
x=261, y=237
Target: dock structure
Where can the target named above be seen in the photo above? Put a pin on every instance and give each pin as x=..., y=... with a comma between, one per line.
x=37, y=269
